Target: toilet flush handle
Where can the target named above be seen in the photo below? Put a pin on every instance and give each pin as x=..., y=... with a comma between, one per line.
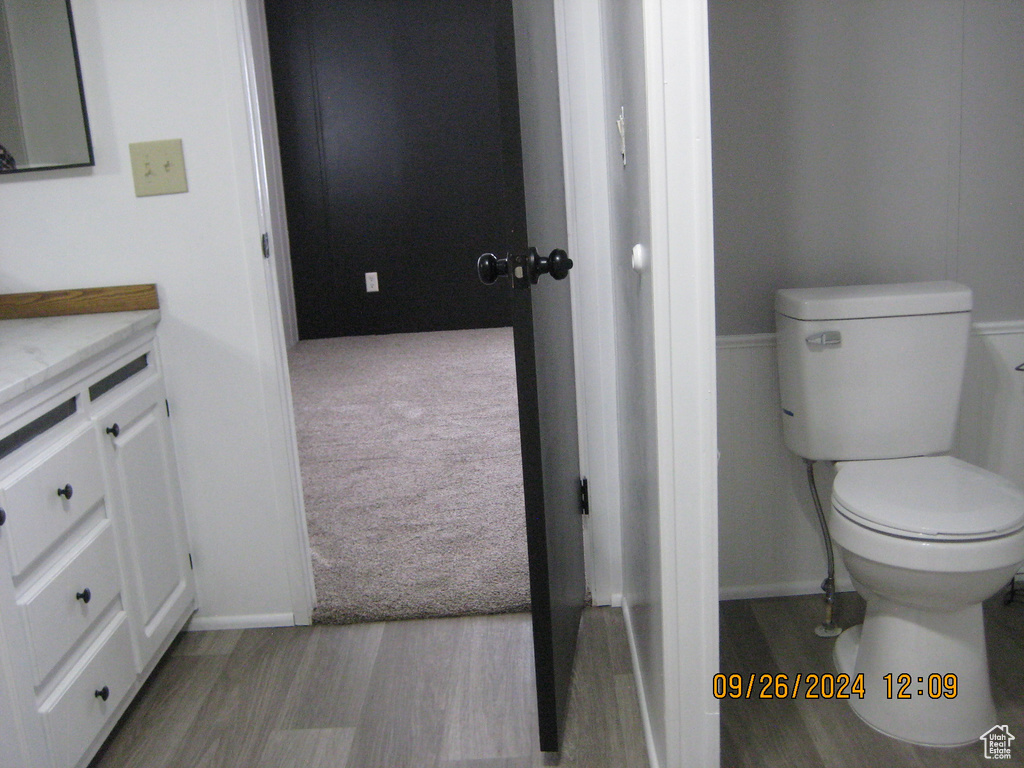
x=825, y=339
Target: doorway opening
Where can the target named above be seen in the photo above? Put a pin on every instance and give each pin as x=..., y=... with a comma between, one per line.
x=399, y=136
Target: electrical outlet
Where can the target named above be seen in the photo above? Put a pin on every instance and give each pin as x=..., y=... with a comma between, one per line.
x=371, y=282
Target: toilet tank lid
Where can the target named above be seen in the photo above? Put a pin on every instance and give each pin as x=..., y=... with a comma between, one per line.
x=852, y=302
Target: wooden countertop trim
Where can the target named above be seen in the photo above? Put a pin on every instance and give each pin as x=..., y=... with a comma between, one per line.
x=79, y=301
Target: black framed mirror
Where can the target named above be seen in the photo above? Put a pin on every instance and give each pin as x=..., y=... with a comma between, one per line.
x=43, y=123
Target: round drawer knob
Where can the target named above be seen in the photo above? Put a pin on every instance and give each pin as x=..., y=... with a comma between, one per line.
x=3, y=516
x=114, y=430
x=85, y=595
x=102, y=693
x=66, y=491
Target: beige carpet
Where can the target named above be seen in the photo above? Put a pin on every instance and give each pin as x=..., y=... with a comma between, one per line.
x=409, y=447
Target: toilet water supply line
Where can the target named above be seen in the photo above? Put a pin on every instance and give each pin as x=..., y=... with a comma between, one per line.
x=827, y=628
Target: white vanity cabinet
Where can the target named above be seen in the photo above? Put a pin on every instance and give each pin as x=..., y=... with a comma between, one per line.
x=95, y=575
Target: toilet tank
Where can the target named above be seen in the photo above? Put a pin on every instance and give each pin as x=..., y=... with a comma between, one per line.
x=871, y=371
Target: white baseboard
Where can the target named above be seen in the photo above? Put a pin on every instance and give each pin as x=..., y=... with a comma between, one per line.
x=789, y=589
x=246, y=621
x=652, y=754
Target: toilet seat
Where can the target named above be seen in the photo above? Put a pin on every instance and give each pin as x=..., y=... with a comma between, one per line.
x=933, y=498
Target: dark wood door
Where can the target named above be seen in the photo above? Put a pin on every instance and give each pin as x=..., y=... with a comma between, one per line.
x=545, y=378
x=545, y=374
x=546, y=396
x=400, y=157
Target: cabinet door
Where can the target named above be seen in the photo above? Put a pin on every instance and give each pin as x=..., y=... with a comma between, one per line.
x=12, y=744
x=147, y=513
x=22, y=739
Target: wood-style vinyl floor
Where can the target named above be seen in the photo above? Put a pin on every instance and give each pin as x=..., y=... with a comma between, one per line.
x=776, y=635
x=435, y=693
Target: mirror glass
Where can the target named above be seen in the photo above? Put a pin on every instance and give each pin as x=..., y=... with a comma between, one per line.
x=42, y=105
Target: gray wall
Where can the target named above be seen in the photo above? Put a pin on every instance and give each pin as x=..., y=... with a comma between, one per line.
x=862, y=142
x=630, y=222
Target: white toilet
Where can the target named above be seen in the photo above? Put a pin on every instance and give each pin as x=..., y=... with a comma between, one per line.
x=870, y=377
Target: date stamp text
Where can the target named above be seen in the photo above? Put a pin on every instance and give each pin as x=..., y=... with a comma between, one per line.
x=813, y=685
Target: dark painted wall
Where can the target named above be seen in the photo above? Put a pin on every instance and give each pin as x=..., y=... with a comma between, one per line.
x=400, y=147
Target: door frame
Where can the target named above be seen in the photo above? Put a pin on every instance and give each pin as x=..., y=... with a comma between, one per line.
x=251, y=28
x=682, y=262
x=676, y=61
x=581, y=83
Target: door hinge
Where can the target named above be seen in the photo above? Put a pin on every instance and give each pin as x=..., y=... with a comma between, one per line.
x=266, y=245
x=584, y=497
x=167, y=405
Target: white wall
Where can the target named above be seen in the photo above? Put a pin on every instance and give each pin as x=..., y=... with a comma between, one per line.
x=991, y=425
x=770, y=542
x=867, y=143
x=158, y=69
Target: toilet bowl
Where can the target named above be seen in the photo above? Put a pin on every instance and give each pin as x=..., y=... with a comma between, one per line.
x=925, y=540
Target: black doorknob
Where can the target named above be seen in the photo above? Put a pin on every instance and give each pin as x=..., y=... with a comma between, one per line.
x=102, y=693
x=489, y=267
x=557, y=264
x=85, y=595
x=114, y=430
x=528, y=264
x=66, y=491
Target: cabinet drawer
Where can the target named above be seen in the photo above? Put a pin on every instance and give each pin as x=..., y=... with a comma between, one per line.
x=37, y=515
x=76, y=712
x=72, y=599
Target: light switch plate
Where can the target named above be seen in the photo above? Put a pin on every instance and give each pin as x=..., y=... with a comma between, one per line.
x=158, y=167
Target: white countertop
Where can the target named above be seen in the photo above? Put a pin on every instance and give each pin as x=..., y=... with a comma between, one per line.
x=37, y=349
